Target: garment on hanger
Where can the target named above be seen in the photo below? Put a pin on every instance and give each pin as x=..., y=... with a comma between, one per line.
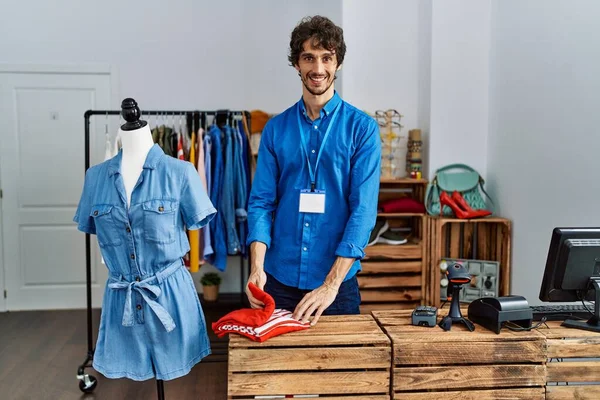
x=152, y=324
x=217, y=226
x=193, y=235
x=208, y=249
x=202, y=173
x=227, y=199
x=241, y=189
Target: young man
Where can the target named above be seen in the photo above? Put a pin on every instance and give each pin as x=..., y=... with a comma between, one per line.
x=313, y=201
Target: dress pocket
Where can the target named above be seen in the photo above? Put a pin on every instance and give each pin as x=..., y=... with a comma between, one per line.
x=159, y=220
x=106, y=229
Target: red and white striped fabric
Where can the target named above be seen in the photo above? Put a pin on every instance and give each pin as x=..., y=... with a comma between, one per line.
x=258, y=324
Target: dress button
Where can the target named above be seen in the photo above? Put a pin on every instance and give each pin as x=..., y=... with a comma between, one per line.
x=161, y=209
x=95, y=213
x=139, y=307
x=132, y=256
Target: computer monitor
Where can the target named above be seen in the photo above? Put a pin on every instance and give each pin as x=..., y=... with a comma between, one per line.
x=572, y=271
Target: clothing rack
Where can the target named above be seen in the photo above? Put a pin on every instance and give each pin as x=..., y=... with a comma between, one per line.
x=196, y=118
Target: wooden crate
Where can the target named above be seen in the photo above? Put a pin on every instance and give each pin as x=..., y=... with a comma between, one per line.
x=579, y=352
x=340, y=356
x=484, y=239
x=392, y=276
x=430, y=363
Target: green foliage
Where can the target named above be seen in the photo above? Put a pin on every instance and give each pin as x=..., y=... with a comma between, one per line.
x=210, y=279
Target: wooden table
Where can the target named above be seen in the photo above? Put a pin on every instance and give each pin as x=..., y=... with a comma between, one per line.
x=458, y=364
x=570, y=359
x=341, y=355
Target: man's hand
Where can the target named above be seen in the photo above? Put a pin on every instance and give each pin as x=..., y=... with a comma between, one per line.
x=257, y=274
x=318, y=300
x=259, y=278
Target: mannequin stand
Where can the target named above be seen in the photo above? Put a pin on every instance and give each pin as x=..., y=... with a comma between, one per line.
x=160, y=389
x=455, y=315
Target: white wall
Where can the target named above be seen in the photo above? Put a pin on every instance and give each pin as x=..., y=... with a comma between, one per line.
x=181, y=55
x=460, y=46
x=544, y=141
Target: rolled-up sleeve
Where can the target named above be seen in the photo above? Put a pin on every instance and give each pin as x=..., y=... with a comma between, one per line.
x=364, y=192
x=263, y=196
x=196, y=208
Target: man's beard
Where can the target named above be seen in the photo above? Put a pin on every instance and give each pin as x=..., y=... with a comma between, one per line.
x=313, y=91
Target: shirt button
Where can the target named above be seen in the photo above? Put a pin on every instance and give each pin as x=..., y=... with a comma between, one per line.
x=132, y=256
x=316, y=127
x=137, y=278
x=306, y=224
x=95, y=212
x=128, y=229
x=312, y=151
x=139, y=307
x=305, y=248
x=161, y=209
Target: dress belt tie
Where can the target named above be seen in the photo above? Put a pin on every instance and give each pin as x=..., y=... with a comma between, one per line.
x=150, y=292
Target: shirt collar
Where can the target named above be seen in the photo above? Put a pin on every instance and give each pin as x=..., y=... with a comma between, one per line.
x=152, y=159
x=327, y=108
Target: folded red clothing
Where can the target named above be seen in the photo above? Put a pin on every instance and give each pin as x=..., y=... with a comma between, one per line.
x=280, y=322
x=256, y=323
x=402, y=204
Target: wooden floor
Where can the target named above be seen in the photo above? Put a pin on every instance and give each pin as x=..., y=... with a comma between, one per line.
x=40, y=352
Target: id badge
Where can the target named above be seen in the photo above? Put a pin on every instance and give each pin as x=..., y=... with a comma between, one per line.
x=312, y=202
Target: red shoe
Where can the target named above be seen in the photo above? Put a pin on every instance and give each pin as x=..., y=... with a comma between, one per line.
x=459, y=212
x=458, y=199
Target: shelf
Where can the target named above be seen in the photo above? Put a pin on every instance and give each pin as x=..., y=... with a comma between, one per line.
x=390, y=215
x=403, y=180
x=412, y=249
x=459, y=220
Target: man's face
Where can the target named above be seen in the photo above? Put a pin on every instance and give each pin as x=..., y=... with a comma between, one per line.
x=317, y=68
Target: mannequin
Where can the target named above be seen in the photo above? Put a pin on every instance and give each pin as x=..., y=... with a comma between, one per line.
x=136, y=142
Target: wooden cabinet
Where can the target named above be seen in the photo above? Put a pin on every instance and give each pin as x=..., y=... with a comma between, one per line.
x=392, y=276
x=430, y=363
x=478, y=239
x=346, y=355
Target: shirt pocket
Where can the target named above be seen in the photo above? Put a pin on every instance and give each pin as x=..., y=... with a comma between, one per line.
x=106, y=229
x=159, y=220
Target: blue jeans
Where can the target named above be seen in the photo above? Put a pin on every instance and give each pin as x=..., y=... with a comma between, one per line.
x=287, y=297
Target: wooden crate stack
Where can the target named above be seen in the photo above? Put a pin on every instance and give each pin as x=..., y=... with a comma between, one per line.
x=483, y=239
x=346, y=356
x=573, y=359
x=430, y=363
x=392, y=276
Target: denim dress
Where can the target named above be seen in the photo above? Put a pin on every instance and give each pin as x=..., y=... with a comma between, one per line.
x=152, y=324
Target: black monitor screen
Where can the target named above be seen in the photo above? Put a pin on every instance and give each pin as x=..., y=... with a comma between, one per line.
x=573, y=258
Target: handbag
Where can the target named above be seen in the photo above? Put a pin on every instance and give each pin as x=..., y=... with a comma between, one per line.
x=464, y=180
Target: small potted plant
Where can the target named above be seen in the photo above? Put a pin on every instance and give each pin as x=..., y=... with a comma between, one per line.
x=210, y=286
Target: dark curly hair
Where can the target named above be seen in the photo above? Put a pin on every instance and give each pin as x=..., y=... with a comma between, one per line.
x=323, y=32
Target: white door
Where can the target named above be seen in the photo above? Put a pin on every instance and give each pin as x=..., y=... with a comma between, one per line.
x=42, y=171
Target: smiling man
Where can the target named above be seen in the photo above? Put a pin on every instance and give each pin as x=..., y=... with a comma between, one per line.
x=313, y=201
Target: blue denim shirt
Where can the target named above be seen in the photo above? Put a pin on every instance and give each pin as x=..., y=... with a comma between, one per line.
x=241, y=188
x=227, y=205
x=217, y=226
x=142, y=246
x=302, y=247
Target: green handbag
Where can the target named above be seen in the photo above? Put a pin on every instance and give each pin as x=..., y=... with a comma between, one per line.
x=464, y=180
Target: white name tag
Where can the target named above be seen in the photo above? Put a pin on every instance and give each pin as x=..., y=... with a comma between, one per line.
x=312, y=202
